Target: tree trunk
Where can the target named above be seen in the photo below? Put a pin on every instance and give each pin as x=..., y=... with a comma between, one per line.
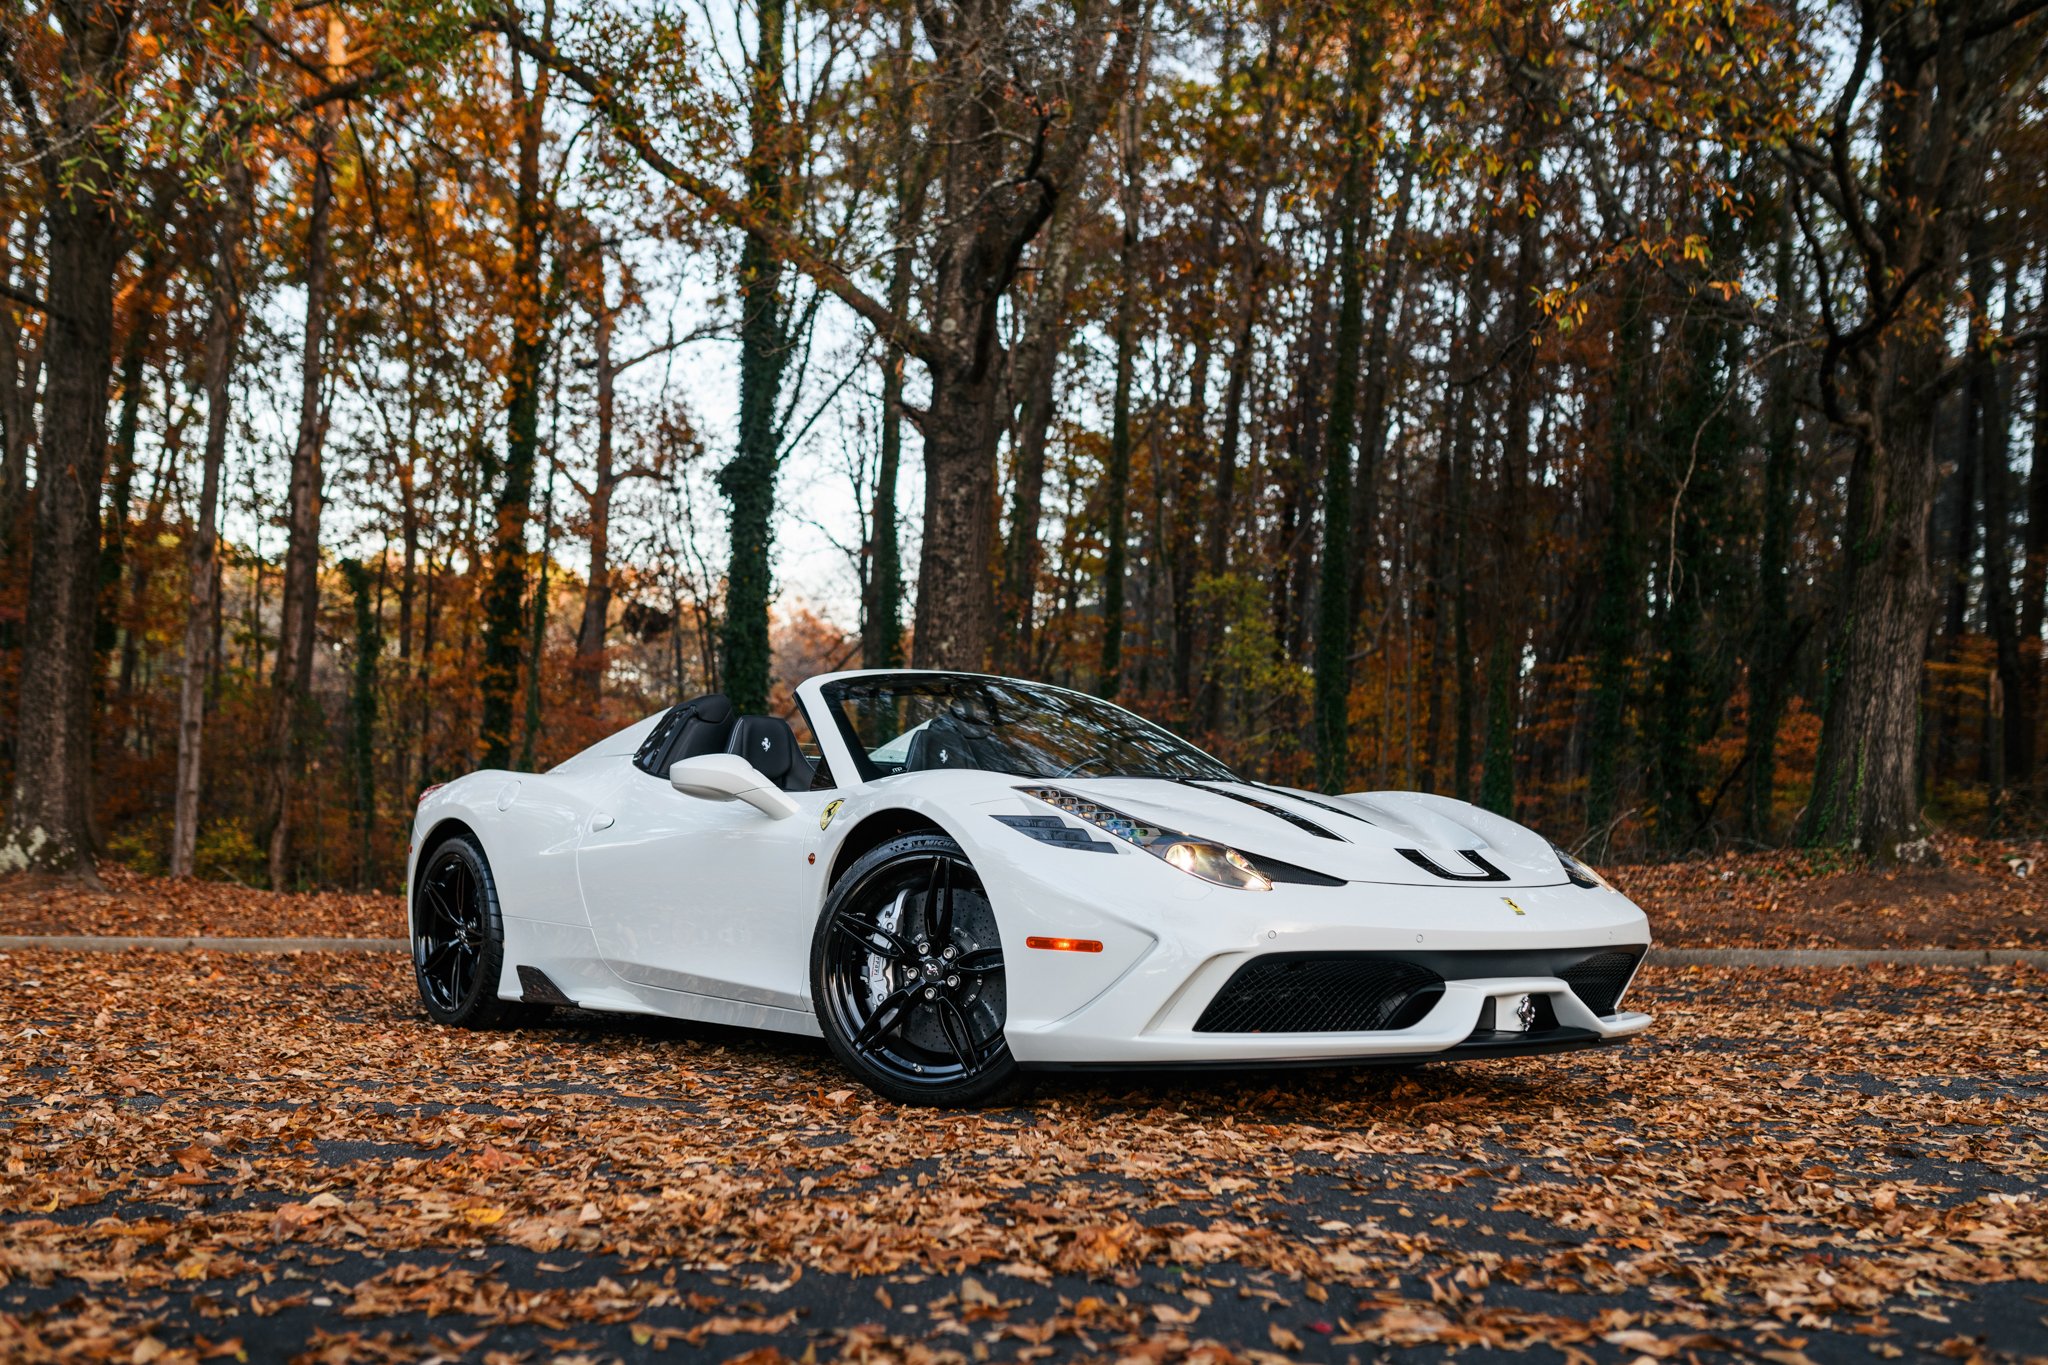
x=202, y=552
x=1034, y=368
x=48, y=824
x=881, y=629
x=1117, y=489
x=955, y=622
x=1770, y=660
x=597, y=589
x=748, y=479
x=362, y=712
x=504, y=605
x=2034, y=573
x=1334, y=619
x=1935, y=101
x=49, y=821
x=1987, y=394
x=145, y=306
x=1378, y=382
x=20, y=376
x=537, y=636
x=299, y=608
x=1615, y=619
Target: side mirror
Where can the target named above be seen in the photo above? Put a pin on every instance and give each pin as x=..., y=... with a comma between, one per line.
x=728, y=777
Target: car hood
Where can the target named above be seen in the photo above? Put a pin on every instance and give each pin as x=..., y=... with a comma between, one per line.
x=1405, y=838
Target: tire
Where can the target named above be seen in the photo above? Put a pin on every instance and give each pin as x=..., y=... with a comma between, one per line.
x=458, y=938
x=907, y=976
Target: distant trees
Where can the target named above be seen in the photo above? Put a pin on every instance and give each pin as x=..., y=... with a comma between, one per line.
x=1630, y=419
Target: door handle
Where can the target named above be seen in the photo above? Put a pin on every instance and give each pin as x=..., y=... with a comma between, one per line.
x=600, y=821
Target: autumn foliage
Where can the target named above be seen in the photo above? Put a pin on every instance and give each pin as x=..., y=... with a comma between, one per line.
x=1626, y=417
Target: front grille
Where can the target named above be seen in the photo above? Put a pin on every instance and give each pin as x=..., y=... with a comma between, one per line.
x=1600, y=979
x=1322, y=993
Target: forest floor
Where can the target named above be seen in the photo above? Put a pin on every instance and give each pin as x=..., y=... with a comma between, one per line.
x=276, y=1158
x=1985, y=894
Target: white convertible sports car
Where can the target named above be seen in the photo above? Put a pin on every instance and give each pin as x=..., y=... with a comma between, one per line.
x=955, y=877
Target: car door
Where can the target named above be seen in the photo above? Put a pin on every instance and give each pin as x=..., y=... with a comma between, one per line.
x=709, y=897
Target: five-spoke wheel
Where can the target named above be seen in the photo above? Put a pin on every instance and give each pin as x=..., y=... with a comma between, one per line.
x=907, y=973
x=458, y=939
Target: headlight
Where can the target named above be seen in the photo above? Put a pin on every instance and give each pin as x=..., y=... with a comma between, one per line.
x=1212, y=862
x=1581, y=874
x=1215, y=863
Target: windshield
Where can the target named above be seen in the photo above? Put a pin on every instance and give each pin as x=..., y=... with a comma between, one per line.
x=912, y=722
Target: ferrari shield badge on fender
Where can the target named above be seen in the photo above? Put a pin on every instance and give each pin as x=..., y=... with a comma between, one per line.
x=825, y=819
x=1509, y=902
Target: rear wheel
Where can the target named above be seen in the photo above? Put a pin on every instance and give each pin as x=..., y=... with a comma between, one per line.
x=907, y=975
x=458, y=938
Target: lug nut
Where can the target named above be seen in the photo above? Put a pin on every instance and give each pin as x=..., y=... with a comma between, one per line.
x=931, y=992
x=952, y=981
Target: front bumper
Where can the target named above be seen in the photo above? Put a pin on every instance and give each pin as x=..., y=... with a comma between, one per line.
x=1171, y=944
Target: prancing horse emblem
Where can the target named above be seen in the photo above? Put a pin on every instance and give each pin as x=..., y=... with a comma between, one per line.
x=765, y=746
x=1525, y=1010
x=1509, y=902
x=825, y=820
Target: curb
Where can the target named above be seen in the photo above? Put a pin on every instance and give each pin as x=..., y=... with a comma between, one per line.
x=1847, y=957
x=95, y=943
x=1659, y=957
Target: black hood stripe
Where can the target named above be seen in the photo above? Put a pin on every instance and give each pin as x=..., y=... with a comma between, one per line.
x=1319, y=805
x=1300, y=822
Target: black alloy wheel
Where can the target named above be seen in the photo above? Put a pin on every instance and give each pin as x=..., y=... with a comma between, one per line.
x=907, y=975
x=458, y=938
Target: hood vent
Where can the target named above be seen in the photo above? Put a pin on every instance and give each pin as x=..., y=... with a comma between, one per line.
x=1487, y=871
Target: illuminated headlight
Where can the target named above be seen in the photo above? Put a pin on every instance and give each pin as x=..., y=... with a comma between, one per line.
x=1212, y=862
x=1215, y=863
x=1581, y=874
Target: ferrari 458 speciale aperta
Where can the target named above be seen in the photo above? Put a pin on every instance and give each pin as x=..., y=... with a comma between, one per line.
x=955, y=877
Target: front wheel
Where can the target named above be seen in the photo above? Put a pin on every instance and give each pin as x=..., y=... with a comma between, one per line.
x=907, y=975
x=458, y=937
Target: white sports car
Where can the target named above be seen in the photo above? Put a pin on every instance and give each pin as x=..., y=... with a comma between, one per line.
x=953, y=877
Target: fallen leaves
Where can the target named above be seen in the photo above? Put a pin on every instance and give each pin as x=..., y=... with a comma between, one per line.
x=200, y=1148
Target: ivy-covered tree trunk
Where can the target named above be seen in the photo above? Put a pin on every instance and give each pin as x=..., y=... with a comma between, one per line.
x=1333, y=585
x=597, y=588
x=748, y=479
x=504, y=598
x=537, y=636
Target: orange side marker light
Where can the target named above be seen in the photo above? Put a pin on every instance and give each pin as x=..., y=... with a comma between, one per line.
x=1065, y=945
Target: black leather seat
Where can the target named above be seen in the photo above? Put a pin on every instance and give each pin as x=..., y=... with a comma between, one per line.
x=770, y=746
x=691, y=729
x=942, y=743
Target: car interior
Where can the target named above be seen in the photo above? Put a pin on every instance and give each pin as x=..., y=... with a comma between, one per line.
x=709, y=725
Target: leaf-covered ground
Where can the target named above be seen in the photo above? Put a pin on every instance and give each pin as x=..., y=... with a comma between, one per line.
x=127, y=902
x=278, y=1157
x=1983, y=895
